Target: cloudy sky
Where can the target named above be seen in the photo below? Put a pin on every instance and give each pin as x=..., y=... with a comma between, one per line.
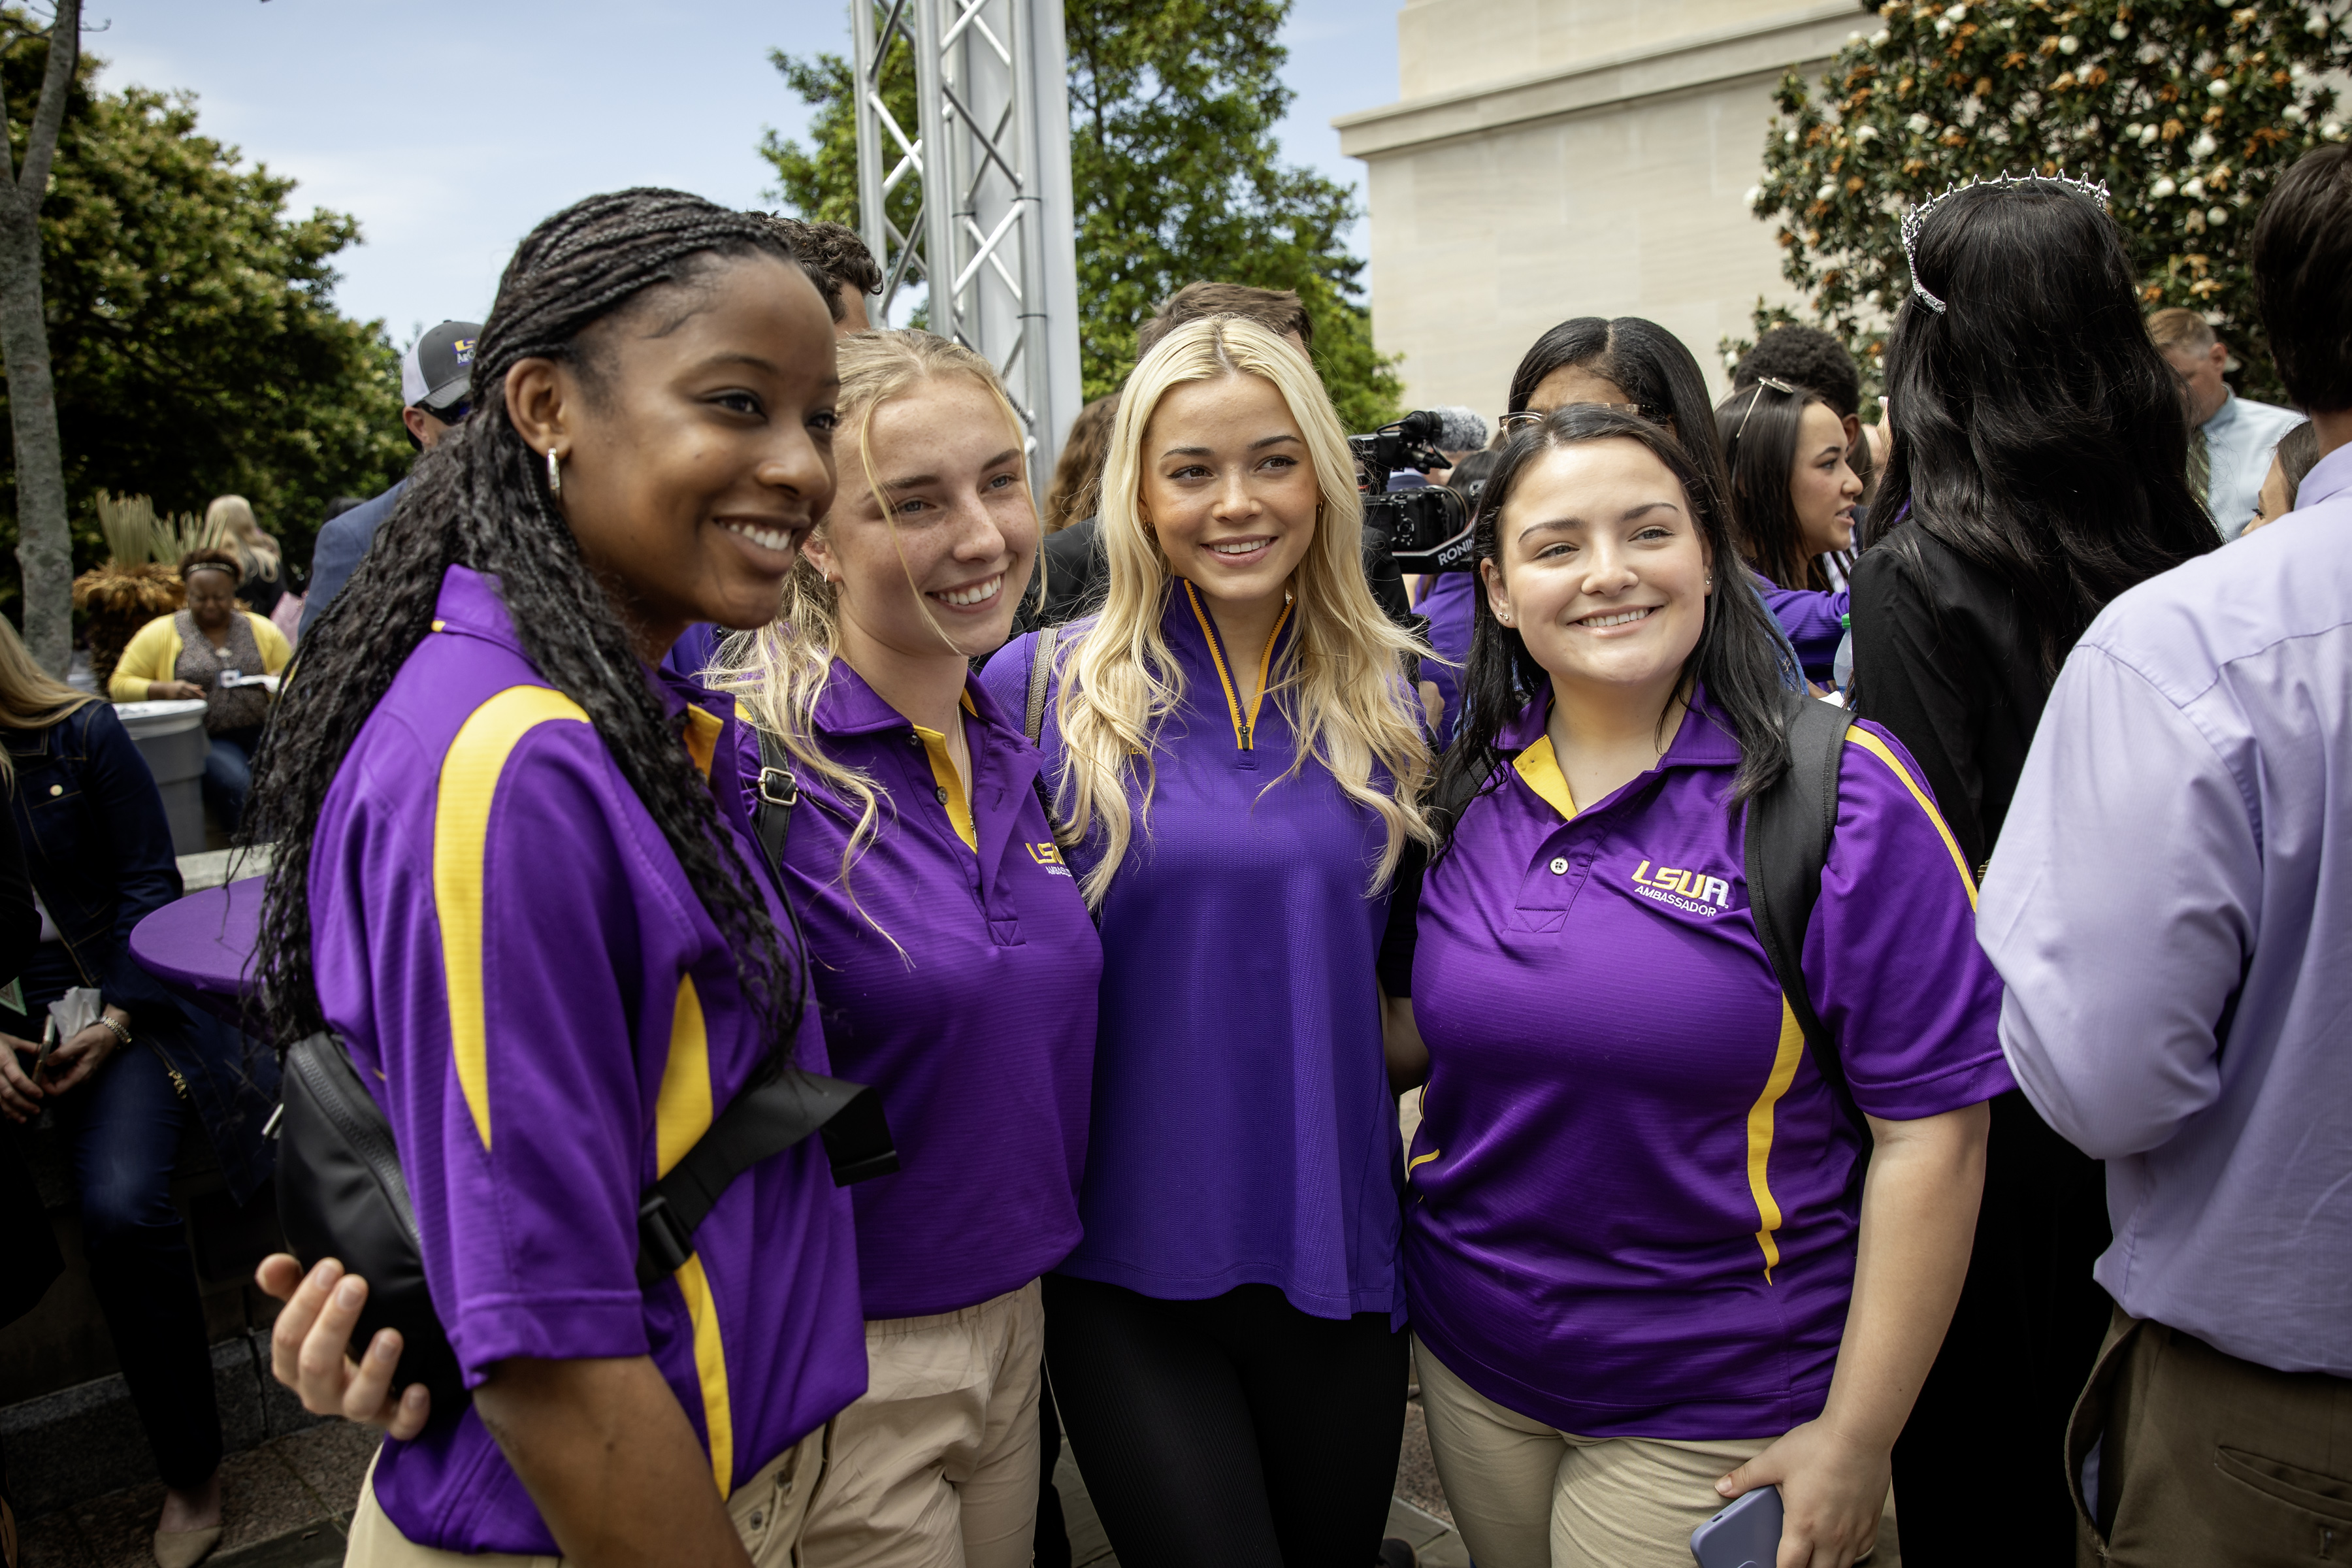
x=449, y=129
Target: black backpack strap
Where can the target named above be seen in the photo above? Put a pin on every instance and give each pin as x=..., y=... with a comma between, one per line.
x=779, y=791
x=756, y=1125
x=766, y=1120
x=1040, y=674
x=1788, y=830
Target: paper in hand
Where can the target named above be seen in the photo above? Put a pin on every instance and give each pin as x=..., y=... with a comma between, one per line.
x=75, y=1011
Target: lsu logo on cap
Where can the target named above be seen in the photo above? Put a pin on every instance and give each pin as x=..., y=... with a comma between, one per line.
x=1049, y=855
x=1692, y=891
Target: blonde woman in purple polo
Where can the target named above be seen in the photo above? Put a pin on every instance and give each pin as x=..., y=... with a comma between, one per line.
x=515, y=877
x=952, y=959
x=1644, y=1276
x=1240, y=760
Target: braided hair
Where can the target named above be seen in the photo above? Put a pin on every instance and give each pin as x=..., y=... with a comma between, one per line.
x=479, y=499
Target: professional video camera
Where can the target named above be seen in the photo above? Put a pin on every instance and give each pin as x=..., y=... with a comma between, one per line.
x=1425, y=529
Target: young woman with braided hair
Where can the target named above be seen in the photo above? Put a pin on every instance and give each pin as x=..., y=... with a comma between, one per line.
x=950, y=955
x=515, y=877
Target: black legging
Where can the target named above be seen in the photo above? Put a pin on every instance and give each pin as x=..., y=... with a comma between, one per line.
x=1238, y=1430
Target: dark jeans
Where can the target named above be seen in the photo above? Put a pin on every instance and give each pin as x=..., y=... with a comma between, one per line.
x=1238, y=1430
x=228, y=774
x=122, y=1125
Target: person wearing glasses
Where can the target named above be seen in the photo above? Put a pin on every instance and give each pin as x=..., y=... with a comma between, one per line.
x=434, y=376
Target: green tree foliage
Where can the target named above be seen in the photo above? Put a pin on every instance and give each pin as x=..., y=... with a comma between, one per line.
x=2188, y=110
x=196, y=345
x=1176, y=175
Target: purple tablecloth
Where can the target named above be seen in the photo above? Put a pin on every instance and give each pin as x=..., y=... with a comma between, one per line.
x=202, y=947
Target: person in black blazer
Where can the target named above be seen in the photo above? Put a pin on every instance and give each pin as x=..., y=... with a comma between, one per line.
x=2038, y=470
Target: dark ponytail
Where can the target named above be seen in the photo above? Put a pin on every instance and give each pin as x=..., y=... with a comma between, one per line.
x=479, y=499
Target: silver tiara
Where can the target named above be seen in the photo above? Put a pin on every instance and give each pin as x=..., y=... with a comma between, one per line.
x=1917, y=219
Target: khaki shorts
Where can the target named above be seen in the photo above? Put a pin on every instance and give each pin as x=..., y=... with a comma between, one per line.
x=937, y=1465
x=768, y=1511
x=1525, y=1495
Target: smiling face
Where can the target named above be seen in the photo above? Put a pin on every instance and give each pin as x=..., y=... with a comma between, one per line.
x=1228, y=488
x=1602, y=570
x=1822, y=486
x=954, y=551
x=694, y=432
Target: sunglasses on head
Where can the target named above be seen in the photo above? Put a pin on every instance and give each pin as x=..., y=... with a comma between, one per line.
x=1777, y=385
x=1529, y=418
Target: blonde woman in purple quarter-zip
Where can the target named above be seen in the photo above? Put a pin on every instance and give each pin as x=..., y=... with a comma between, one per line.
x=1235, y=748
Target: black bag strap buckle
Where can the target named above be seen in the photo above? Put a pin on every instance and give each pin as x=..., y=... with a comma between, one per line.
x=663, y=1242
x=777, y=787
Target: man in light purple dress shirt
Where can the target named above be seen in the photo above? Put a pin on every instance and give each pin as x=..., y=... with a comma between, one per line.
x=2171, y=909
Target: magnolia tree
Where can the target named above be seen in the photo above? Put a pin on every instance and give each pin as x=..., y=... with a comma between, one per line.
x=2187, y=109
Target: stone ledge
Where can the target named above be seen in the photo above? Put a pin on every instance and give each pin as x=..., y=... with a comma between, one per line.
x=1706, y=61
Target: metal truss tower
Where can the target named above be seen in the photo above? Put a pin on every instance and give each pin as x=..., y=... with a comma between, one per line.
x=994, y=240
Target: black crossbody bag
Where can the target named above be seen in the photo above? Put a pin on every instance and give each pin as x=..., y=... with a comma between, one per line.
x=341, y=1193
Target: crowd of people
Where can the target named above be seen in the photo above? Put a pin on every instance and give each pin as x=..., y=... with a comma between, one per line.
x=714, y=706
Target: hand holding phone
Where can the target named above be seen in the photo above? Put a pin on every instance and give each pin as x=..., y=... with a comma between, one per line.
x=1746, y=1535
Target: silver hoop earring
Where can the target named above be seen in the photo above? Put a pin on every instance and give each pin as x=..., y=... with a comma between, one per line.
x=554, y=472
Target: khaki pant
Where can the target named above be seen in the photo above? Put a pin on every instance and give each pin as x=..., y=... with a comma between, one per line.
x=2204, y=1458
x=767, y=1511
x=1526, y=1495
x=937, y=1465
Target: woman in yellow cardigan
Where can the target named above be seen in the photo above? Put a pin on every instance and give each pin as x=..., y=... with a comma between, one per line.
x=213, y=651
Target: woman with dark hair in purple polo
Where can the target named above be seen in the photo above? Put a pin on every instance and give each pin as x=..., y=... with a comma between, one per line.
x=1639, y=1279
x=515, y=877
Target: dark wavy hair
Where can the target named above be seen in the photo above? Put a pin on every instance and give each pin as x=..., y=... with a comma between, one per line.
x=1759, y=427
x=1740, y=657
x=1649, y=362
x=2038, y=431
x=480, y=499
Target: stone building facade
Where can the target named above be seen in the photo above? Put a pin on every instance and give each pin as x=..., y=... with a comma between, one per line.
x=1557, y=158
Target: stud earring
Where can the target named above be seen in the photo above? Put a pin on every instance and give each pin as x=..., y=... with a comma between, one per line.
x=554, y=472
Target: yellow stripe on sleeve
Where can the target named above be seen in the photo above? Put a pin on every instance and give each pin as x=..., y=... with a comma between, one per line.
x=461, y=827
x=1759, y=1135
x=682, y=1107
x=1877, y=748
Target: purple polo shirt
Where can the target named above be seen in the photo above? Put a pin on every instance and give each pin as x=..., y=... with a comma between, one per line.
x=960, y=982
x=1450, y=604
x=1628, y=1213
x=549, y=1019
x=1243, y=1128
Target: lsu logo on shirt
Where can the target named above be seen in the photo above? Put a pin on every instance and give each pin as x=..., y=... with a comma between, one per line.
x=1692, y=891
x=1049, y=855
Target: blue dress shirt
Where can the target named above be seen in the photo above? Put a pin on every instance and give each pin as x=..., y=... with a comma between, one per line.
x=2171, y=908
x=2239, y=441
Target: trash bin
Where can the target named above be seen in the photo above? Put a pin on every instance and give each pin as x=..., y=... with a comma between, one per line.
x=170, y=736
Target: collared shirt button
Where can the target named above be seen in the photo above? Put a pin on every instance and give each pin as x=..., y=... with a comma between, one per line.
x=1559, y=866
x=943, y=793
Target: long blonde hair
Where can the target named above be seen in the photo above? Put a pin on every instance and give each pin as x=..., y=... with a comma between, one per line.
x=778, y=673
x=31, y=697
x=1340, y=683
x=229, y=520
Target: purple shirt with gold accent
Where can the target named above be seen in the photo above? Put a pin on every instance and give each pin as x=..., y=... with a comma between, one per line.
x=1243, y=1128
x=956, y=968
x=533, y=990
x=1628, y=1206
